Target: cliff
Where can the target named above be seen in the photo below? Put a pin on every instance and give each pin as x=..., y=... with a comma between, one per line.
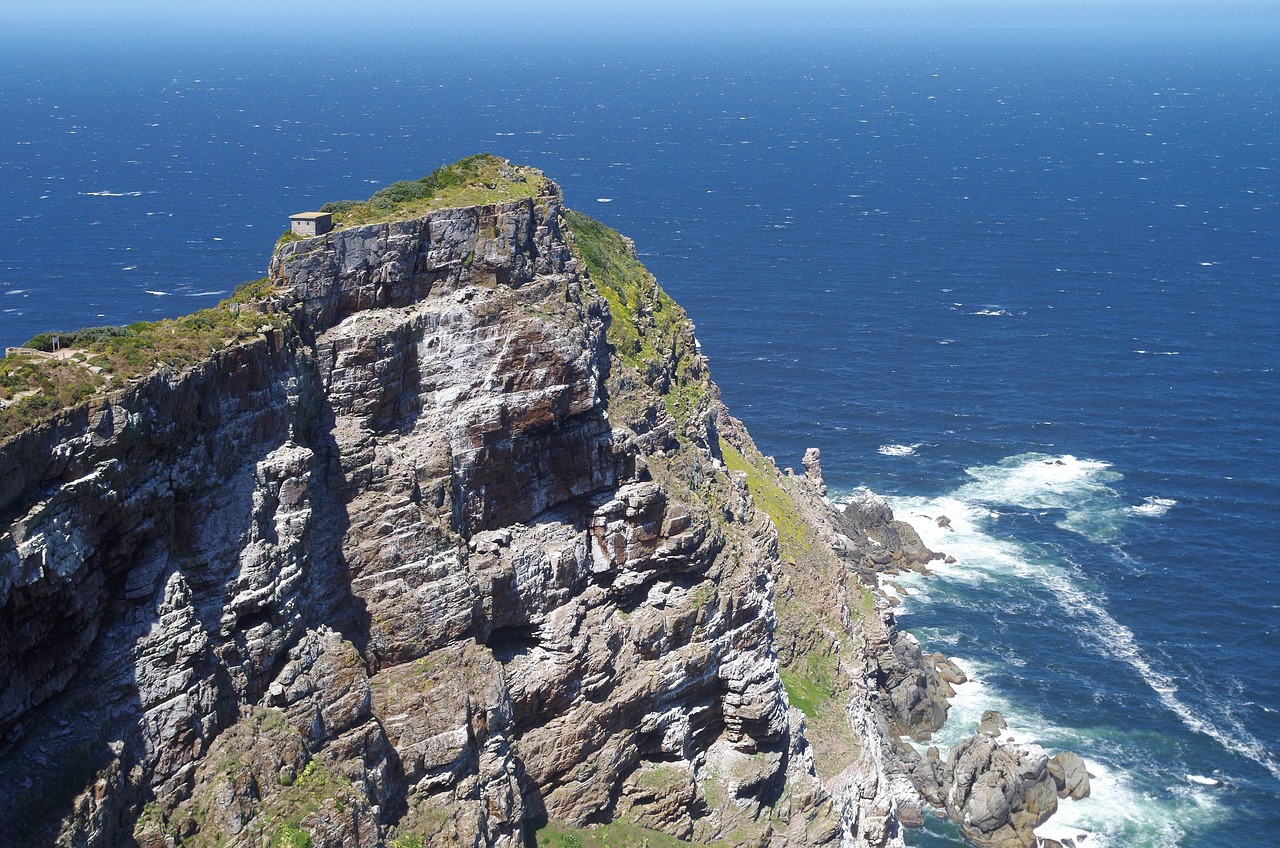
x=448, y=541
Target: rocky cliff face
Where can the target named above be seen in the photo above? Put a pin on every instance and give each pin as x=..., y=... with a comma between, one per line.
x=444, y=557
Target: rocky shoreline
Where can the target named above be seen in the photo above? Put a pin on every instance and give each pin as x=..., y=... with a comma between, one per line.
x=996, y=790
x=461, y=546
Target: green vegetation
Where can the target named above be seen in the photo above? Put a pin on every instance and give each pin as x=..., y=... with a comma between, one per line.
x=616, y=834
x=649, y=331
x=797, y=541
x=475, y=181
x=290, y=836
x=283, y=813
x=808, y=661
x=32, y=387
x=702, y=595
x=810, y=682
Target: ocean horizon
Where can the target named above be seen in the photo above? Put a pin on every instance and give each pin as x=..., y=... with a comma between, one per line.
x=1033, y=288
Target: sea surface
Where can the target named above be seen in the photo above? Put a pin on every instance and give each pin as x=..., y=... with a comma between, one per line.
x=1034, y=288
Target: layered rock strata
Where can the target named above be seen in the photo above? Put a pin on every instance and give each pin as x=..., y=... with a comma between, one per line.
x=393, y=572
x=465, y=545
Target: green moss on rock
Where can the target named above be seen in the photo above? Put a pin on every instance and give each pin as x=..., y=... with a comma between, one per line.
x=92, y=360
x=474, y=181
x=617, y=834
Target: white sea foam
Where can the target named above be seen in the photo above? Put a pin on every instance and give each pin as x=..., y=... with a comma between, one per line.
x=156, y=293
x=112, y=193
x=1000, y=312
x=897, y=450
x=604, y=200
x=1037, y=481
x=15, y=291
x=1033, y=481
x=1153, y=506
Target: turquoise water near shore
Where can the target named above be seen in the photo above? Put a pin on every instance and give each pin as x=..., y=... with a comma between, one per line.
x=1034, y=290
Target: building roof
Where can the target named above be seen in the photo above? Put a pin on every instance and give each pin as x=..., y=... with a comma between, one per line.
x=309, y=216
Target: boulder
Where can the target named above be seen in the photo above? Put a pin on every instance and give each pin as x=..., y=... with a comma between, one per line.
x=1070, y=776
x=992, y=723
x=999, y=791
x=948, y=671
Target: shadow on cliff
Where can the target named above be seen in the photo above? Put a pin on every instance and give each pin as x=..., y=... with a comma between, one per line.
x=330, y=575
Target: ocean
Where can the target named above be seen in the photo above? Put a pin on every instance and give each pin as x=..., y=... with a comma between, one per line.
x=1034, y=288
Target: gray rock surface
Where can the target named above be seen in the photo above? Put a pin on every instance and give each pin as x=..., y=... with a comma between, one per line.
x=435, y=560
x=999, y=791
x=1070, y=775
x=411, y=566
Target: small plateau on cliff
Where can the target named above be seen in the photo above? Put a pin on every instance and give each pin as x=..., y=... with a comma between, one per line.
x=441, y=535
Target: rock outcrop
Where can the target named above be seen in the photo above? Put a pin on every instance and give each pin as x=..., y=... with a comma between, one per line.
x=894, y=545
x=462, y=543
x=999, y=791
x=418, y=565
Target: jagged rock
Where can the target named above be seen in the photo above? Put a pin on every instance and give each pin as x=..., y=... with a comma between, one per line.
x=812, y=463
x=992, y=723
x=929, y=774
x=434, y=560
x=1070, y=776
x=917, y=701
x=948, y=670
x=427, y=561
x=868, y=516
x=999, y=791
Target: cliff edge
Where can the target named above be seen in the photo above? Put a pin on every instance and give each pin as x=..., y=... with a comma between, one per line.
x=448, y=540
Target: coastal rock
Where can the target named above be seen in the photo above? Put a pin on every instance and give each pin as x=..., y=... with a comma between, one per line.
x=867, y=516
x=812, y=463
x=1070, y=775
x=431, y=562
x=948, y=670
x=999, y=791
x=991, y=723
x=456, y=551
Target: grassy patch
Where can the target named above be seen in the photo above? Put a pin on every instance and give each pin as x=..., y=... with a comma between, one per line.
x=797, y=541
x=649, y=331
x=810, y=682
x=290, y=836
x=475, y=181
x=617, y=834
x=283, y=813
x=33, y=388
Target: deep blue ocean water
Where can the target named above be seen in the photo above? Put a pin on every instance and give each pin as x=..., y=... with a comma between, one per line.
x=1032, y=289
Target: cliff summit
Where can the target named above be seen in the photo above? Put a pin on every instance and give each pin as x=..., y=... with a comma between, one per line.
x=441, y=535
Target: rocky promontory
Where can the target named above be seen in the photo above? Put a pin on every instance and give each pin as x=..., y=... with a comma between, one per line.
x=445, y=538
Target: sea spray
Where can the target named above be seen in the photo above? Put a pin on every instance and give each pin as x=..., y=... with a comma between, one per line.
x=1140, y=794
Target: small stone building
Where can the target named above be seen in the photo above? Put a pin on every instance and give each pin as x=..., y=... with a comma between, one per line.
x=311, y=223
